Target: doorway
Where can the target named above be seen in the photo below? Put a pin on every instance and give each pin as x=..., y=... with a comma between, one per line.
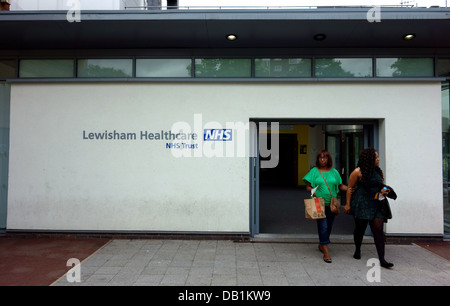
x=286, y=172
x=277, y=204
x=344, y=142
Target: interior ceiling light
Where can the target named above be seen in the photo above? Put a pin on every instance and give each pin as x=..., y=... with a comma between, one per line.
x=231, y=37
x=409, y=36
x=320, y=37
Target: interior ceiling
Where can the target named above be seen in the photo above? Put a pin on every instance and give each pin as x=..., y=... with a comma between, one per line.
x=344, y=28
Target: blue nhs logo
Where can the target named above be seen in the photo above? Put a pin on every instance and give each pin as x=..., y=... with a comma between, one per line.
x=217, y=135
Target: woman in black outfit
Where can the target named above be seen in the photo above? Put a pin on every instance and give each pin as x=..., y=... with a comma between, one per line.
x=367, y=180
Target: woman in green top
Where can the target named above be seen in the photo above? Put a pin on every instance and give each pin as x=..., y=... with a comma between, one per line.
x=315, y=178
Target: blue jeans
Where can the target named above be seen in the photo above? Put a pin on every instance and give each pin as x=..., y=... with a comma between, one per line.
x=324, y=226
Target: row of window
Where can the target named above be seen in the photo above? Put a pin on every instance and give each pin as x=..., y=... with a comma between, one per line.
x=225, y=68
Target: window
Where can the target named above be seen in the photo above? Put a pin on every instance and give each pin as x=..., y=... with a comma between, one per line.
x=7, y=68
x=444, y=67
x=223, y=68
x=260, y=67
x=164, y=68
x=282, y=67
x=343, y=67
x=105, y=68
x=405, y=67
x=46, y=68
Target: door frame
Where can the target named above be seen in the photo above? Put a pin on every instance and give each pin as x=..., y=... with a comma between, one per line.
x=371, y=139
x=5, y=97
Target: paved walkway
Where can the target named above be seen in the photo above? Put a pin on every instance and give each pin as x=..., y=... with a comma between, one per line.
x=228, y=263
x=41, y=261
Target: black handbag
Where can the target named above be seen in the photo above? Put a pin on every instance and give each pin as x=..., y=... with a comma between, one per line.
x=384, y=206
x=385, y=209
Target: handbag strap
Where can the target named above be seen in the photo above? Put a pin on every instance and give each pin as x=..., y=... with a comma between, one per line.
x=325, y=182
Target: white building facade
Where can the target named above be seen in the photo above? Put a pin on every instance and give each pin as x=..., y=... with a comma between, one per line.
x=161, y=126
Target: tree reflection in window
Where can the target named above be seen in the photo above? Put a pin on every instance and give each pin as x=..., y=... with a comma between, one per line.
x=405, y=67
x=105, y=68
x=343, y=67
x=222, y=68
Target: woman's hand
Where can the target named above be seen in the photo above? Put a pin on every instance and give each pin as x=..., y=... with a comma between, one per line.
x=385, y=191
x=347, y=208
x=310, y=189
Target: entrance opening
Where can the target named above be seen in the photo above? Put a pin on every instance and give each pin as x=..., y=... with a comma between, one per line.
x=282, y=190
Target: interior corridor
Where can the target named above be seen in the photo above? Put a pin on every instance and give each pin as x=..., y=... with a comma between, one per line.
x=282, y=211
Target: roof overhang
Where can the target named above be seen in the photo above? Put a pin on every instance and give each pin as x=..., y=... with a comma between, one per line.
x=344, y=27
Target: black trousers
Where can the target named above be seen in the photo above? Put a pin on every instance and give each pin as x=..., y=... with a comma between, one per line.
x=376, y=225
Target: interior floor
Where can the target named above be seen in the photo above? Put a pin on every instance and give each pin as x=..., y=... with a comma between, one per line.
x=282, y=211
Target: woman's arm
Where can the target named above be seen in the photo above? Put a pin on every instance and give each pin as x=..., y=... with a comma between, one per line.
x=308, y=186
x=352, y=180
x=343, y=187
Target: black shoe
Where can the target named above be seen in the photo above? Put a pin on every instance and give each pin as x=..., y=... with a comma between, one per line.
x=327, y=260
x=357, y=254
x=386, y=264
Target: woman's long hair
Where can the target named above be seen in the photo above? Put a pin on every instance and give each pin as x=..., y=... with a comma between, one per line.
x=366, y=163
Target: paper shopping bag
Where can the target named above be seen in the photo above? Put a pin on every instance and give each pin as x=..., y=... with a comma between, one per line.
x=315, y=208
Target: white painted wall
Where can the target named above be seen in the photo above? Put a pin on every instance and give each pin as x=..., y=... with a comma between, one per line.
x=60, y=181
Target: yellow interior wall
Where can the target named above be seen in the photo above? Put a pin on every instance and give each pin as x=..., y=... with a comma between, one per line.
x=303, y=160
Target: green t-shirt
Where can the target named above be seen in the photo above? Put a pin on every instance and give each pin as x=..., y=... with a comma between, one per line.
x=333, y=179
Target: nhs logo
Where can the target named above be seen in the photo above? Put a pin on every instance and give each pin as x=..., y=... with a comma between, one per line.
x=217, y=134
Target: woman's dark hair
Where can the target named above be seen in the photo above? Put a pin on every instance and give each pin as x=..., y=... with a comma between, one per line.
x=328, y=155
x=366, y=163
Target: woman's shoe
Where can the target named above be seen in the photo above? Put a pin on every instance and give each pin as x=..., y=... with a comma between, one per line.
x=386, y=264
x=327, y=260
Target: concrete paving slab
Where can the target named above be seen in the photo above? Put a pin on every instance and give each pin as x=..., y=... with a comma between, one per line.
x=228, y=263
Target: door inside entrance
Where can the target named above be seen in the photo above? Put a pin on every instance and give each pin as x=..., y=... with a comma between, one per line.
x=281, y=189
x=344, y=142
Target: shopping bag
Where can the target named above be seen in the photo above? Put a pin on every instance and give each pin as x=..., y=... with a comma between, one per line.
x=315, y=208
